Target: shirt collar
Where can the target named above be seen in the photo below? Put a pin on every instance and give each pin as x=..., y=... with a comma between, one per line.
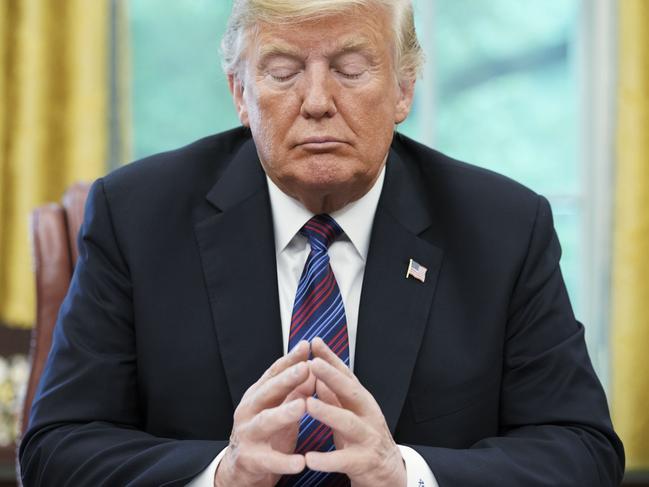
x=355, y=219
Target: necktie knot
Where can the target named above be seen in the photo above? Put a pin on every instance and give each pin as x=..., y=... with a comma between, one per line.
x=321, y=230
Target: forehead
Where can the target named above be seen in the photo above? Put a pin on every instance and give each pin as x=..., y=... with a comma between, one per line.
x=356, y=29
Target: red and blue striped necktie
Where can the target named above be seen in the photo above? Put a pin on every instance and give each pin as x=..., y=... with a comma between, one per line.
x=318, y=312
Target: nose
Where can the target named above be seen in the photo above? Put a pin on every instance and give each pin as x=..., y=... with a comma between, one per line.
x=318, y=99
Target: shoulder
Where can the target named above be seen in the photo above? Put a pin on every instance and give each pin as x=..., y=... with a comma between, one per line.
x=454, y=178
x=464, y=192
x=191, y=169
x=162, y=196
x=476, y=212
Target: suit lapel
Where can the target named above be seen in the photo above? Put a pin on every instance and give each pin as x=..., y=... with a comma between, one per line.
x=237, y=249
x=394, y=310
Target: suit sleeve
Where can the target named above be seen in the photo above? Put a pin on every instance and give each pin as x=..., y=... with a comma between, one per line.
x=86, y=427
x=555, y=427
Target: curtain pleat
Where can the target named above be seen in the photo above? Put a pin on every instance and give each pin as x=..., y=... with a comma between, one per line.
x=630, y=332
x=53, y=123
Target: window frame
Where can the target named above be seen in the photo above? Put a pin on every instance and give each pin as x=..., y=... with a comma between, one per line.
x=598, y=66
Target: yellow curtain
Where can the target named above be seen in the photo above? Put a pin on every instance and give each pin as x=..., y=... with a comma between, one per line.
x=54, y=125
x=631, y=253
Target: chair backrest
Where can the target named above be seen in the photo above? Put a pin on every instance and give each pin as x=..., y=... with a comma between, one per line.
x=54, y=228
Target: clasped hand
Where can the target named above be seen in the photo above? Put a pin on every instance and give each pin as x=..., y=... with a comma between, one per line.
x=265, y=428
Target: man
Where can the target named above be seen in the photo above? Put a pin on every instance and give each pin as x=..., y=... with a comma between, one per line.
x=430, y=339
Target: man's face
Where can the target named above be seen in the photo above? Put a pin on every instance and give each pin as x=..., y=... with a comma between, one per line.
x=321, y=99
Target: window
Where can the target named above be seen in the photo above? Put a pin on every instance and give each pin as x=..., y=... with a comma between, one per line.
x=179, y=92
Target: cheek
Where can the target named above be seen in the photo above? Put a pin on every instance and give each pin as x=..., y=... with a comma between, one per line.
x=271, y=116
x=371, y=111
x=262, y=127
x=373, y=122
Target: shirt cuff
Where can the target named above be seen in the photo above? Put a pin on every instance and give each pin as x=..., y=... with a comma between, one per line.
x=418, y=472
x=206, y=477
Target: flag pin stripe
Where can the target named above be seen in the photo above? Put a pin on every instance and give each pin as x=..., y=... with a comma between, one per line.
x=416, y=271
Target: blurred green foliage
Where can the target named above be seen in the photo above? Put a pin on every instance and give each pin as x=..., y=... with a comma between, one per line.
x=507, y=90
x=179, y=91
x=507, y=98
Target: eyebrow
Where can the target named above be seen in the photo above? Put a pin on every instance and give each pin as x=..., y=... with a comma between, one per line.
x=272, y=49
x=357, y=44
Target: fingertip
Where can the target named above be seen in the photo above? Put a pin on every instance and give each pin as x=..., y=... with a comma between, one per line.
x=317, y=363
x=300, y=348
x=298, y=406
x=312, y=404
x=300, y=369
x=308, y=456
x=297, y=463
x=312, y=460
x=300, y=397
x=321, y=349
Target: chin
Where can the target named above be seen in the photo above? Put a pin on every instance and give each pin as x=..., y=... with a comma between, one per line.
x=325, y=182
x=326, y=195
x=327, y=171
x=323, y=177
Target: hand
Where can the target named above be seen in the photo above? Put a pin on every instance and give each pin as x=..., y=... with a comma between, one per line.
x=365, y=449
x=264, y=432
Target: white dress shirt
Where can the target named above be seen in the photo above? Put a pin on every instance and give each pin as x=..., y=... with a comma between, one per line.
x=347, y=256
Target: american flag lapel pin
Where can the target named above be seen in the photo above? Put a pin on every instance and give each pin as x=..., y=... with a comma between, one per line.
x=416, y=270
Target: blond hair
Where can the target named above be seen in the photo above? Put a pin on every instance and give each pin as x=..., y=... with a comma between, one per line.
x=246, y=14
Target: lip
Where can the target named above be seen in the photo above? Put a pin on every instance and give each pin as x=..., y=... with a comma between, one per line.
x=321, y=141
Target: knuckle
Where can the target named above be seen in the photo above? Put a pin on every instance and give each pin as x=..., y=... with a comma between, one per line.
x=265, y=422
x=356, y=395
x=245, y=400
x=377, y=446
x=261, y=420
x=274, y=369
x=238, y=416
x=242, y=432
x=233, y=442
x=255, y=401
x=236, y=456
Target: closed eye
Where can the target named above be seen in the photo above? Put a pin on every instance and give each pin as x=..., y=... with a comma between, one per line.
x=351, y=75
x=281, y=78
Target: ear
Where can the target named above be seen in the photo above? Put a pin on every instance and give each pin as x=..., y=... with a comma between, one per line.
x=404, y=100
x=236, y=89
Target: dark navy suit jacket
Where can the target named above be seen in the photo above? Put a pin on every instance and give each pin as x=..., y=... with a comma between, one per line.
x=173, y=313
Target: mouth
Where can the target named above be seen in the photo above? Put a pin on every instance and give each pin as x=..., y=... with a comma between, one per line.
x=324, y=143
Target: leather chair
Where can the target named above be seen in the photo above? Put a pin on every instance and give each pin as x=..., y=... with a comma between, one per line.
x=54, y=228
